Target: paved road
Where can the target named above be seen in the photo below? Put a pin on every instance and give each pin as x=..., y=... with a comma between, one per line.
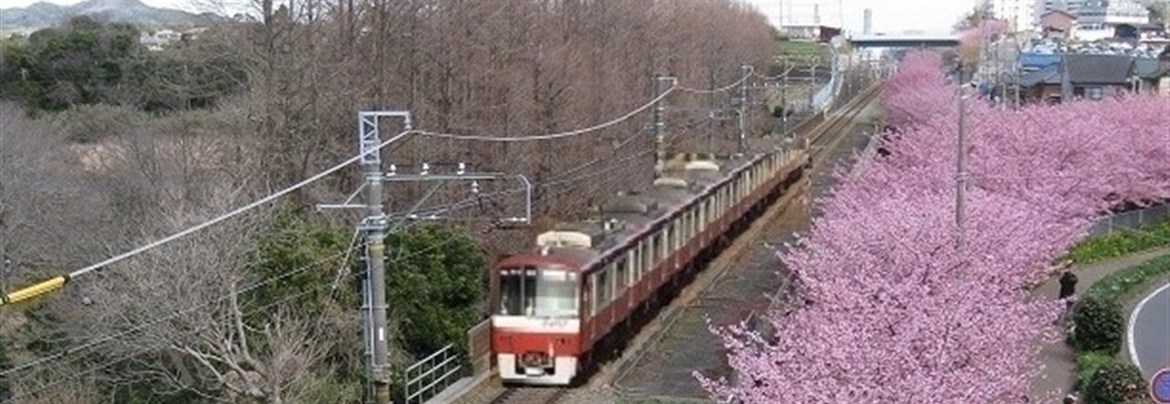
x=1149, y=332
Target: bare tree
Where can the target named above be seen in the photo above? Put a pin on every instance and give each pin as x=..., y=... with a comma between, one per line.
x=44, y=199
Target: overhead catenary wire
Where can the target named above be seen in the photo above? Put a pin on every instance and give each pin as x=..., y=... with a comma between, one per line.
x=470, y=202
x=143, y=351
x=99, y=340
x=159, y=321
x=59, y=281
x=745, y=77
x=674, y=86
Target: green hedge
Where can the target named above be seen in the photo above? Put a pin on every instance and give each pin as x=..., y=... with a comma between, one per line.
x=1120, y=285
x=1115, y=383
x=1099, y=324
x=1120, y=243
x=1087, y=363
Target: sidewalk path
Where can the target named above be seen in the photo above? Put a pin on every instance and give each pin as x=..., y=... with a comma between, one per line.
x=1059, y=359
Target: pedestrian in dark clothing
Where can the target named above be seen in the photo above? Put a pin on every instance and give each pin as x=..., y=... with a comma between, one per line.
x=1068, y=288
x=1068, y=284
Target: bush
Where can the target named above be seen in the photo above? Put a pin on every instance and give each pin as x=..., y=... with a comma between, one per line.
x=1115, y=383
x=1087, y=364
x=1120, y=285
x=1121, y=243
x=1099, y=324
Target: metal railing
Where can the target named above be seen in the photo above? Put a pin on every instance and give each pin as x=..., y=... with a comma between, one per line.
x=1127, y=221
x=429, y=376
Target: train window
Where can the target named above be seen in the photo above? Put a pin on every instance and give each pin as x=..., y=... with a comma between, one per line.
x=542, y=293
x=689, y=224
x=708, y=215
x=635, y=265
x=664, y=243
x=593, y=290
x=604, y=287
x=621, y=276
x=647, y=257
x=511, y=292
x=676, y=233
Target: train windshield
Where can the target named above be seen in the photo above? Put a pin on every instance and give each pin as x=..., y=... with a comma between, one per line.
x=538, y=292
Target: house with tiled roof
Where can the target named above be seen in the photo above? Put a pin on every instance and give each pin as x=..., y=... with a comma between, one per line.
x=1080, y=76
x=1154, y=74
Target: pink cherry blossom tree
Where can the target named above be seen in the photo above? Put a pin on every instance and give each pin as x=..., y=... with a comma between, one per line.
x=898, y=313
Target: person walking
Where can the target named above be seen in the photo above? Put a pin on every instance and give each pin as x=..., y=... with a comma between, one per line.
x=1068, y=285
x=1068, y=288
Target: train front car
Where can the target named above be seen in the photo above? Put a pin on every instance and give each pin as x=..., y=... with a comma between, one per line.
x=536, y=325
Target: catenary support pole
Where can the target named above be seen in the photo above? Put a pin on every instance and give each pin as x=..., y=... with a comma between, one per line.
x=961, y=163
x=784, y=100
x=659, y=142
x=375, y=225
x=744, y=70
x=376, y=264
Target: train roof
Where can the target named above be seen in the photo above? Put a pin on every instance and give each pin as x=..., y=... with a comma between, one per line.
x=627, y=214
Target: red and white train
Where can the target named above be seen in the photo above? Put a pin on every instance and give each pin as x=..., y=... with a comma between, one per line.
x=585, y=281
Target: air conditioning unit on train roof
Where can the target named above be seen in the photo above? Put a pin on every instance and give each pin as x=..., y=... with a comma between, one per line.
x=574, y=235
x=702, y=165
x=629, y=203
x=672, y=182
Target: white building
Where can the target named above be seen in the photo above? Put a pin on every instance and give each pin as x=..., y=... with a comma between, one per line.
x=1070, y=6
x=1097, y=19
x=1019, y=14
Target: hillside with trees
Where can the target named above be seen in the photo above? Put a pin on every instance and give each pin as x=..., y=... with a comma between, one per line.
x=106, y=145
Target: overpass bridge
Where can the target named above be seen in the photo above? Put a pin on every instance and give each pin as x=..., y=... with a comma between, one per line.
x=904, y=41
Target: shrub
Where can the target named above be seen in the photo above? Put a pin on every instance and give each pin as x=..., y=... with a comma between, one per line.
x=1115, y=383
x=1120, y=243
x=1087, y=364
x=1119, y=285
x=1099, y=324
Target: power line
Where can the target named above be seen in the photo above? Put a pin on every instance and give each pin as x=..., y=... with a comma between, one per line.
x=468, y=202
x=160, y=320
x=60, y=280
x=554, y=135
x=148, y=350
x=187, y=311
x=751, y=70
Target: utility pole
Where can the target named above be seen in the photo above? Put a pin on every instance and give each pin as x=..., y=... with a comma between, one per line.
x=745, y=70
x=784, y=100
x=780, y=22
x=961, y=163
x=659, y=143
x=375, y=225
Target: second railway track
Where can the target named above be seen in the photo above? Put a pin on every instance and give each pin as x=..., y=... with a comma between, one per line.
x=672, y=378
x=824, y=133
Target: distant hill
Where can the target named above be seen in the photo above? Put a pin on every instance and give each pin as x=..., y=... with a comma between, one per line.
x=44, y=15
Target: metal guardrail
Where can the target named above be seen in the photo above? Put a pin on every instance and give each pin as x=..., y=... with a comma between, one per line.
x=429, y=376
x=1128, y=221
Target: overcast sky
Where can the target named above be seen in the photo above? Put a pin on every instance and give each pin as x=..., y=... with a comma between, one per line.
x=893, y=16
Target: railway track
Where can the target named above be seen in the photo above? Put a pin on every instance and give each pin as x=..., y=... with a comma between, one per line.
x=530, y=395
x=822, y=134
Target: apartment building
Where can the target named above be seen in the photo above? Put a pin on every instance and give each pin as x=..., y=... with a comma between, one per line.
x=1098, y=19
x=1019, y=14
